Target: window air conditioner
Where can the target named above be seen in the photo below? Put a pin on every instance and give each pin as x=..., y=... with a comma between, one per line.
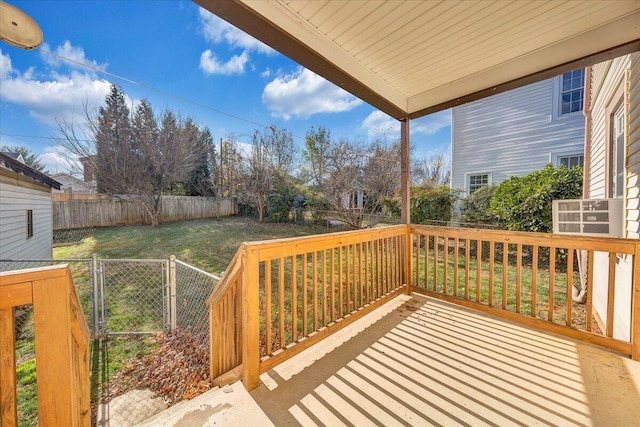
x=591, y=217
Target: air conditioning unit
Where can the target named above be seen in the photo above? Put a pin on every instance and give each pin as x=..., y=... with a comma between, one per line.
x=591, y=217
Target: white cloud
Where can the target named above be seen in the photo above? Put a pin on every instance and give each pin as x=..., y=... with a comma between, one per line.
x=431, y=124
x=217, y=30
x=66, y=50
x=58, y=159
x=60, y=97
x=5, y=66
x=57, y=96
x=266, y=74
x=210, y=64
x=304, y=93
x=378, y=124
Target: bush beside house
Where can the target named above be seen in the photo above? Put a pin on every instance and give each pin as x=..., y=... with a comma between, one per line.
x=523, y=203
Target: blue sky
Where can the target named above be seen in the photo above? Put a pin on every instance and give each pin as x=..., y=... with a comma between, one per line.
x=180, y=57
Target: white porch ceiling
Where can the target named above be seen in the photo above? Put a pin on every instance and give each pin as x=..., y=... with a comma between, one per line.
x=411, y=58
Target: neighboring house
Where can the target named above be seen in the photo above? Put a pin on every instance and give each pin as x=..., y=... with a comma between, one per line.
x=355, y=199
x=16, y=156
x=612, y=170
x=26, y=223
x=70, y=183
x=517, y=132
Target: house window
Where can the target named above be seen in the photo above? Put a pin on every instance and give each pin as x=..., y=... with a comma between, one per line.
x=617, y=153
x=477, y=181
x=29, y=223
x=571, y=161
x=571, y=91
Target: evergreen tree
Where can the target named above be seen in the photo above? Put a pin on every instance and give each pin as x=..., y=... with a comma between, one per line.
x=31, y=159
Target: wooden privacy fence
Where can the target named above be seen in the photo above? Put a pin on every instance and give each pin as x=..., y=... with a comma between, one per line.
x=61, y=346
x=81, y=213
x=528, y=277
x=279, y=297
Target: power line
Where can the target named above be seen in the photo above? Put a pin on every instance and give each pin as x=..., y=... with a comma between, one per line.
x=56, y=138
x=154, y=89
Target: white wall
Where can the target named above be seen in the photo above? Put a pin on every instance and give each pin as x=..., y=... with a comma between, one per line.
x=633, y=152
x=16, y=197
x=607, y=78
x=622, y=294
x=512, y=134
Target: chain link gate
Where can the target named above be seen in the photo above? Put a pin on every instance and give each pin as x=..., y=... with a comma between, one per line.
x=133, y=296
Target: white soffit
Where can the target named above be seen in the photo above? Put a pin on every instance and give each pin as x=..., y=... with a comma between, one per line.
x=410, y=58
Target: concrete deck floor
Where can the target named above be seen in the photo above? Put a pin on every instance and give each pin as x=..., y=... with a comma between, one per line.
x=421, y=361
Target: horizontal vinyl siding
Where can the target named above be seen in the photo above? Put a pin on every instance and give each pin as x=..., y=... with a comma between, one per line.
x=633, y=151
x=511, y=134
x=14, y=202
x=605, y=80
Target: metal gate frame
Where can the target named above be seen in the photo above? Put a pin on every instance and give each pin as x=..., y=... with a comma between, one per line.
x=102, y=301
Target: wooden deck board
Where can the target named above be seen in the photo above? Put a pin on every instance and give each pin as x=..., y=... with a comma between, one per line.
x=428, y=362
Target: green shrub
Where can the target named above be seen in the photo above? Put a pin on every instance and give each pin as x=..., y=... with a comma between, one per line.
x=280, y=204
x=476, y=207
x=524, y=203
x=428, y=204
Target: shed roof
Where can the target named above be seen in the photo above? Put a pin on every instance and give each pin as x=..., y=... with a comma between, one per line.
x=8, y=162
x=412, y=58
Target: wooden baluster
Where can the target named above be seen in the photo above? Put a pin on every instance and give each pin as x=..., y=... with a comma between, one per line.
x=569, y=289
x=267, y=309
x=611, y=293
x=456, y=260
x=552, y=282
x=534, y=281
x=315, y=290
x=491, y=270
x=294, y=297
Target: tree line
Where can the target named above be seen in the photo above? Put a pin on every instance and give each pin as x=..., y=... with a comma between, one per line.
x=139, y=155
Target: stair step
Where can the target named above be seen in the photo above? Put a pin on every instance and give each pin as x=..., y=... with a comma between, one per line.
x=229, y=405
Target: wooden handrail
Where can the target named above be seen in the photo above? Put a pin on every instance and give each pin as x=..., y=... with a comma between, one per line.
x=500, y=267
x=225, y=323
x=230, y=275
x=62, y=370
x=278, y=297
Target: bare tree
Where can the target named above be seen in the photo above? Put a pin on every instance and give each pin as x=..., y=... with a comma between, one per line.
x=316, y=156
x=131, y=156
x=259, y=177
x=343, y=180
x=228, y=175
x=432, y=172
x=381, y=175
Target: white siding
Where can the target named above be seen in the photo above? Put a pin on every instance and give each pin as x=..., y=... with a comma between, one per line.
x=512, y=134
x=16, y=198
x=633, y=152
x=607, y=77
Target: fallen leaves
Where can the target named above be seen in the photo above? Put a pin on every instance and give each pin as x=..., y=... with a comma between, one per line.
x=177, y=370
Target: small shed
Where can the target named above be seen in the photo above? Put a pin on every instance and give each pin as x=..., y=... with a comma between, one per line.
x=26, y=222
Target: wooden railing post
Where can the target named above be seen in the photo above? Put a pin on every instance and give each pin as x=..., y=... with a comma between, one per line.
x=408, y=258
x=635, y=306
x=250, y=320
x=8, y=400
x=59, y=397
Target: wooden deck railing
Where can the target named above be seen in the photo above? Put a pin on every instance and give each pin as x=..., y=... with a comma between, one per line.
x=529, y=278
x=61, y=346
x=225, y=323
x=290, y=293
x=279, y=297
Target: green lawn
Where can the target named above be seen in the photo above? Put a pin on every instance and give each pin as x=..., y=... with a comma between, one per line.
x=476, y=287
x=208, y=244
